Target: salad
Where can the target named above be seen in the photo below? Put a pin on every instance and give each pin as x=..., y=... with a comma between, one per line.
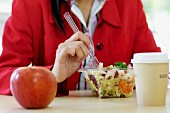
x=112, y=81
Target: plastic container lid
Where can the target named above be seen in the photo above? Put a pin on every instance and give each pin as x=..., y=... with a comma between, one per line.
x=151, y=57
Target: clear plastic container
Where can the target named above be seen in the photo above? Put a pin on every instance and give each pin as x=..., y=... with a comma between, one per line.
x=110, y=82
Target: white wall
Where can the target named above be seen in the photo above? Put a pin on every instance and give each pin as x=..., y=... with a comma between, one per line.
x=3, y=17
x=5, y=9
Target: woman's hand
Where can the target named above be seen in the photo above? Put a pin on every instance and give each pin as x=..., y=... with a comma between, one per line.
x=70, y=55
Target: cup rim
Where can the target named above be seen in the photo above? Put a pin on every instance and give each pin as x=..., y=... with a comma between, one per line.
x=150, y=57
x=149, y=61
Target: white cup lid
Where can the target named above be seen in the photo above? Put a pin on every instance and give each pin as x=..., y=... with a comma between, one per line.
x=150, y=57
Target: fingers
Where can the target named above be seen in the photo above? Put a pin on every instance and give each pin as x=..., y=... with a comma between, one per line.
x=81, y=50
x=62, y=55
x=76, y=46
x=75, y=49
x=79, y=36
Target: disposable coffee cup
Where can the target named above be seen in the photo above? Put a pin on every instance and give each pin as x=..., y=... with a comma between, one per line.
x=151, y=77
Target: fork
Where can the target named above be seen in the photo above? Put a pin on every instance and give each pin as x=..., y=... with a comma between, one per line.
x=94, y=62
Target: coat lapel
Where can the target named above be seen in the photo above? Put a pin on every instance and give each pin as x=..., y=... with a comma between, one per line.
x=110, y=13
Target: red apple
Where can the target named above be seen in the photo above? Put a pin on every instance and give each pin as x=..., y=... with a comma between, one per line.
x=33, y=87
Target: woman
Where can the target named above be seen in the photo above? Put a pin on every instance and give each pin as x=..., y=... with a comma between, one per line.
x=37, y=34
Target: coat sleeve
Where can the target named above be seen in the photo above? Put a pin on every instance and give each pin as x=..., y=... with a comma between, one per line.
x=17, y=45
x=144, y=41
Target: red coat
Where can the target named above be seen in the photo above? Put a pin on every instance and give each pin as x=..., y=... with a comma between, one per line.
x=32, y=36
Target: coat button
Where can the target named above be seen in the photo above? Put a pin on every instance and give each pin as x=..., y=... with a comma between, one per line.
x=100, y=46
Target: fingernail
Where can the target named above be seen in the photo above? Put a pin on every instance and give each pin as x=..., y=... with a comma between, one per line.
x=87, y=34
x=91, y=47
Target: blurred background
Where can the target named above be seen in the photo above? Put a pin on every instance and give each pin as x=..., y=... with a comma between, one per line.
x=157, y=13
x=158, y=18
x=5, y=10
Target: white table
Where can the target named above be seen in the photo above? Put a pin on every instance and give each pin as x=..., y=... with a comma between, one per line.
x=84, y=102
